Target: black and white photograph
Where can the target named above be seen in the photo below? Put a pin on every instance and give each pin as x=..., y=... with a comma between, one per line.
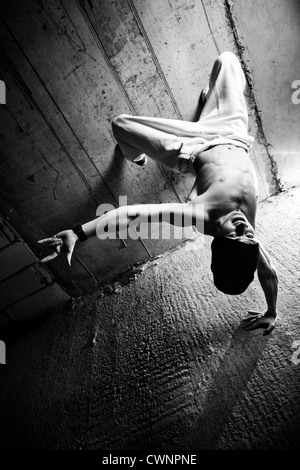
x=149, y=228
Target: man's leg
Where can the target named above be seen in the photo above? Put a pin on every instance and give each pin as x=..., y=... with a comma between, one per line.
x=170, y=141
x=159, y=138
x=225, y=109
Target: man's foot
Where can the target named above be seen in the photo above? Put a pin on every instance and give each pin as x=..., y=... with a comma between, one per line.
x=141, y=160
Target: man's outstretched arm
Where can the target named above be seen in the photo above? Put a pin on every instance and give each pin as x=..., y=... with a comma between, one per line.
x=269, y=282
x=124, y=218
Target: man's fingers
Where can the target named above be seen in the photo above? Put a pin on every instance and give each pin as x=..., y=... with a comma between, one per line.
x=251, y=319
x=50, y=240
x=249, y=325
x=260, y=324
x=59, y=245
x=49, y=258
x=252, y=326
x=252, y=314
x=57, y=242
x=46, y=240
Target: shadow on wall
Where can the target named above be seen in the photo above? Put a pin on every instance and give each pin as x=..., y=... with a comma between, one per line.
x=228, y=385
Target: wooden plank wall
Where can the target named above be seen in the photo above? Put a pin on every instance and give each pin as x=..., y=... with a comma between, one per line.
x=70, y=67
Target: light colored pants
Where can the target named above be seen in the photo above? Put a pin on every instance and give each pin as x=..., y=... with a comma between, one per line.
x=175, y=143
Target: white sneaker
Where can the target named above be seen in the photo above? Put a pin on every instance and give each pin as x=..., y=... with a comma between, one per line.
x=141, y=160
x=204, y=94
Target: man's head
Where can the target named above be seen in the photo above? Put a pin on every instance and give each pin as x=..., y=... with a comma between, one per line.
x=235, y=253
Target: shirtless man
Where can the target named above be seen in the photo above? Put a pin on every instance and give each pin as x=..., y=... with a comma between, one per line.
x=223, y=200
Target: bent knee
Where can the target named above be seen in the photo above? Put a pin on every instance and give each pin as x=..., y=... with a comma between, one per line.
x=119, y=121
x=227, y=57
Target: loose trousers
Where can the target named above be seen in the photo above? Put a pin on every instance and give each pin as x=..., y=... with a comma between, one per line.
x=175, y=143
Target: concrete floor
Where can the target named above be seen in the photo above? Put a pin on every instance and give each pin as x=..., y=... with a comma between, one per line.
x=161, y=362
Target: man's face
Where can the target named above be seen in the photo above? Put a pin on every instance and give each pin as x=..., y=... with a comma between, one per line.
x=237, y=226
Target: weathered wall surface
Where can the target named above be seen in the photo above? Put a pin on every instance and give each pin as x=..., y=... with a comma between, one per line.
x=270, y=30
x=163, y=362
x=70, y=68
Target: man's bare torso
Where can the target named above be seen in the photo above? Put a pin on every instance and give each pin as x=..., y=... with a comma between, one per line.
x=226, y=180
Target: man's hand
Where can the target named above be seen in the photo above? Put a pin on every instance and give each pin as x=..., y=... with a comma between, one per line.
x=256, y=320
x=62, y=242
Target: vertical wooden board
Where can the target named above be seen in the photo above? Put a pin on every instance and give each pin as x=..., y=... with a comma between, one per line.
x=121, y=38
x=109, y=99
x=121, y=32
x=49, y=183
x=182, y=41
x=136, y=67
x=44, y=190
x=42, y=146
x=32, y=84
x=33, y=193
x=78, y=79
x=37, y=181
x=56, y=178
x=40, y=216
x=117, y=179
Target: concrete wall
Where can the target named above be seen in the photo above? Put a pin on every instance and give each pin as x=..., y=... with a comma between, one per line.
x=270, y=30
x=70, y=68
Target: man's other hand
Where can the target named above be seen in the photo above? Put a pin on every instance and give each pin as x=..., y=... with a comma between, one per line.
x=256, y=320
